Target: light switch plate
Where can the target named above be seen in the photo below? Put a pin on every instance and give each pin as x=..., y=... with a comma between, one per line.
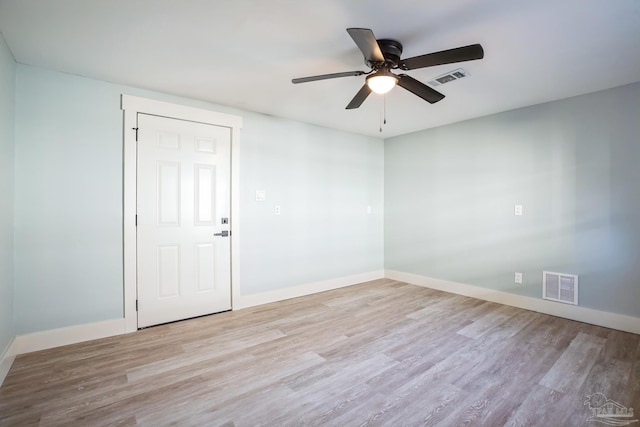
x=261, y=195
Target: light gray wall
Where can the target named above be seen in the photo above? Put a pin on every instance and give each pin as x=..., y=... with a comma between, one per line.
x=573, y=165
x=323, y=180
x=68, y=172
x=68, y=201
x=7, y=83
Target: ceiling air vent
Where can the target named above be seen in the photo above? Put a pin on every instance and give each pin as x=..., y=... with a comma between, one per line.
x=448, y=77
x=560, y=287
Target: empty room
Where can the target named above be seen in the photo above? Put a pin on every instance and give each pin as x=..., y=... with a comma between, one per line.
x=399, y=213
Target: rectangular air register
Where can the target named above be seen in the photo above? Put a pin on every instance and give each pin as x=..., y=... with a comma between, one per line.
x=560, y=287
x=448, y=77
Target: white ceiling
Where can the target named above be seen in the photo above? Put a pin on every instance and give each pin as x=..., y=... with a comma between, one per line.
x=243, y=53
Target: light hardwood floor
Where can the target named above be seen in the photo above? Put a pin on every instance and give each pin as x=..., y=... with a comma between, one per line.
x=378, y=353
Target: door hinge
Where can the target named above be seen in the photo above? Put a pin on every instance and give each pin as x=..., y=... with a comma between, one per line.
x=136, y=305
x=136, y=220
x=136, y=129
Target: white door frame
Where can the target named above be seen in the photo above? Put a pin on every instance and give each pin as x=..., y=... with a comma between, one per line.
x=132, y=105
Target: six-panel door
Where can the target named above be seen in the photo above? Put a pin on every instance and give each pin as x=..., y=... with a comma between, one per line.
x=183, y=197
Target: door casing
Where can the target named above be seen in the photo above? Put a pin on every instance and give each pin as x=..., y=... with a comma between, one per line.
x=132, y=105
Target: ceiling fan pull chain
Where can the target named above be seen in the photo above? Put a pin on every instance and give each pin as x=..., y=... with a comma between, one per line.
x=384, y=107
x=383, y=112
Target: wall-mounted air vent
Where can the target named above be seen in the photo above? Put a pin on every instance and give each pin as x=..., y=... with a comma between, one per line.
x=560, y=287
x=449, y=77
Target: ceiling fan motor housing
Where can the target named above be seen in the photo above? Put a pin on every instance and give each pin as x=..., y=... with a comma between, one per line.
x=392, y=51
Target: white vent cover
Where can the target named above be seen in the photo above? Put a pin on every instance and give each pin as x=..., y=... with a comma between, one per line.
x=448, y=77
x=560, y=287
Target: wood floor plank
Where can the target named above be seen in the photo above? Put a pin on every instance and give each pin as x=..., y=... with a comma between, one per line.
x=401, y=409
x=571, y=369
x=632, y=391
x=492, y=319
x=381, y=353
x=200, y=353
x=545, y=407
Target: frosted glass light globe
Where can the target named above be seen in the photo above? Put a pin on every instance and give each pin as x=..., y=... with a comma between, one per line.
x=381, y=83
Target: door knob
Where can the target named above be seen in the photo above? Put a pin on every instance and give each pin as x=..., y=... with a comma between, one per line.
x=223, y=233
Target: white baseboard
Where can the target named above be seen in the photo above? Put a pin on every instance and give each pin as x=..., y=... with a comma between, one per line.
x=6, y=360
x=244, y=301
x=572, y=312
x=69, y=335
x=43, y=340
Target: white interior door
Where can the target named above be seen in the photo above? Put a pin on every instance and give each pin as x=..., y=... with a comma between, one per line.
x=183, y=197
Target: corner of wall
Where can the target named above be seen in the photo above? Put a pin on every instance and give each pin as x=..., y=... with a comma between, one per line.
x=6, y=360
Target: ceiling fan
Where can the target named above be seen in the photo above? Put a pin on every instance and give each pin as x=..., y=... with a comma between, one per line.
x=383, y=55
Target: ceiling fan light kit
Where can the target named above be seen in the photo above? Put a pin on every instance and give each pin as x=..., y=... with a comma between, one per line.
x=384, y=55
x=381, y=82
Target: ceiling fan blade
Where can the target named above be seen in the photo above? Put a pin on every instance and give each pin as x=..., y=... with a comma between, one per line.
x=420, y=89
x=459, y=54
x=367, y=43
x=359, y=98
x=327, y=76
